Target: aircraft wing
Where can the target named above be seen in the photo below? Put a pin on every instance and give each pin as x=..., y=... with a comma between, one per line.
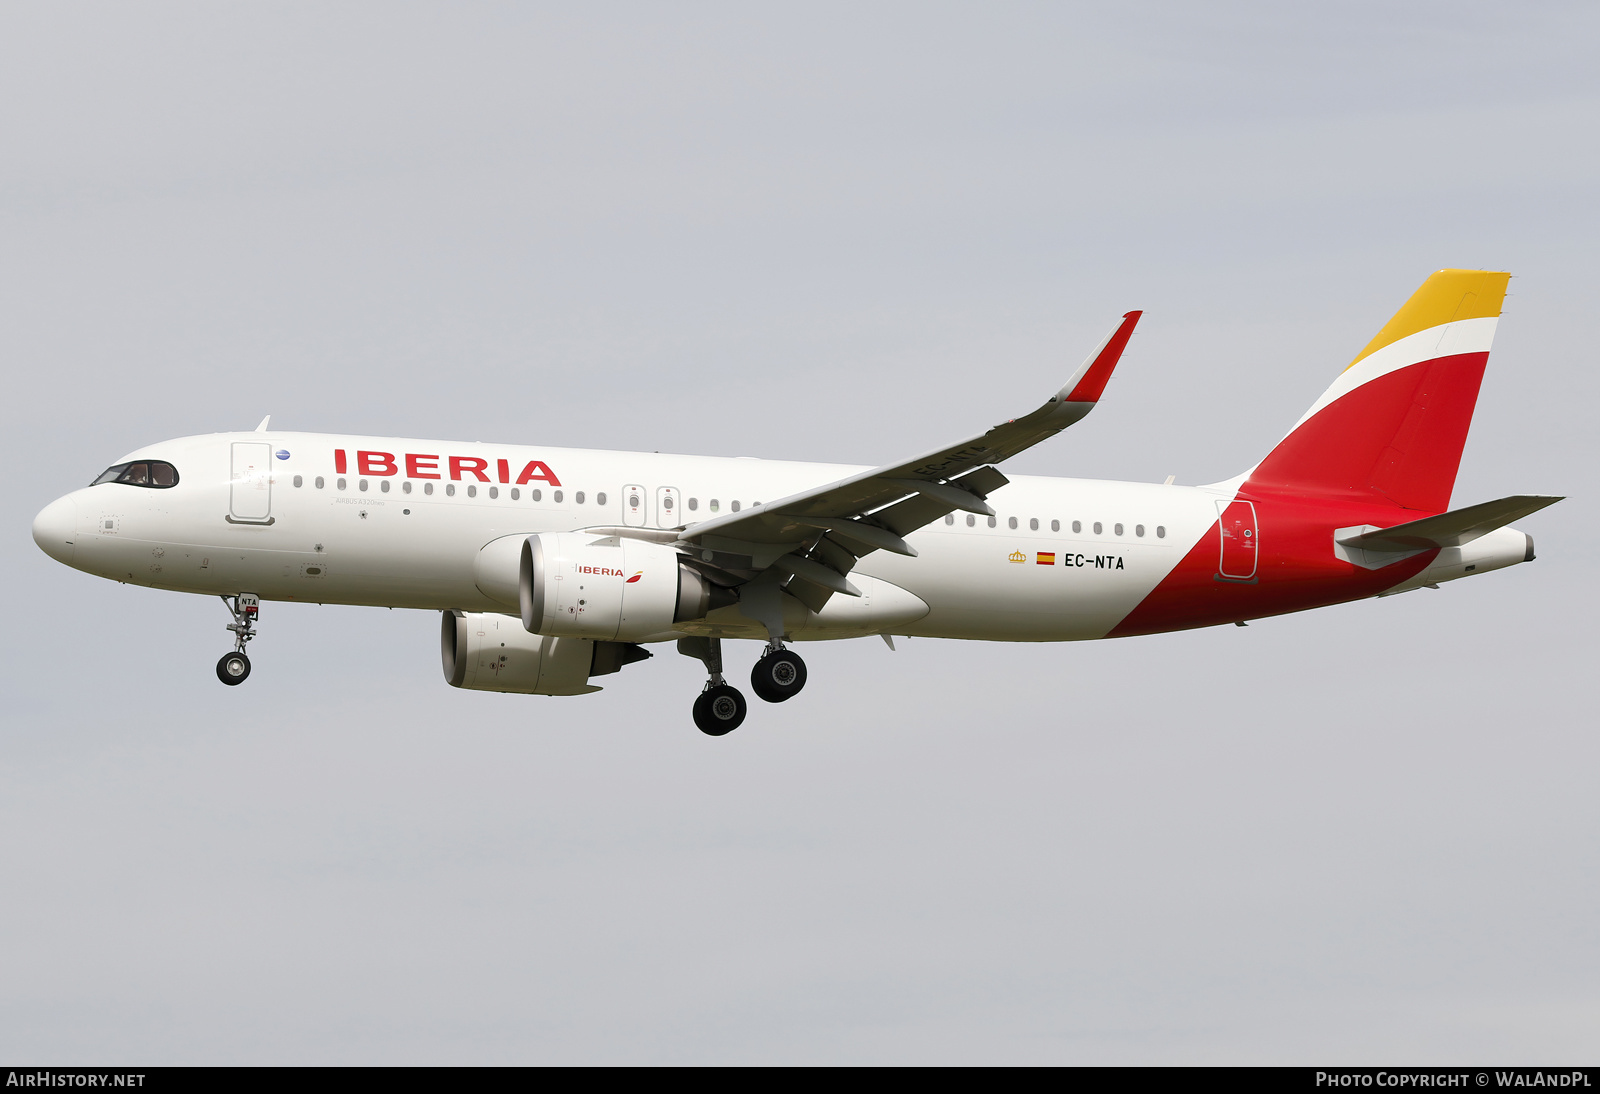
x=814, y=538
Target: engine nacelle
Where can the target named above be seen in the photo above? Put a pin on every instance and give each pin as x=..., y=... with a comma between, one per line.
x=607, y=588
x=487, y=652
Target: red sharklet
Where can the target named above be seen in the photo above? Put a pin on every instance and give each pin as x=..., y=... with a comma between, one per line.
x=1093, y=385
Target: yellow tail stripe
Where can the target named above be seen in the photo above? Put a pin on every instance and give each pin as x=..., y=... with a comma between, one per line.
x=1447, y=295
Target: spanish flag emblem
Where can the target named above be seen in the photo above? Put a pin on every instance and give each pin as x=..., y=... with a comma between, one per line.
x=1046, y=558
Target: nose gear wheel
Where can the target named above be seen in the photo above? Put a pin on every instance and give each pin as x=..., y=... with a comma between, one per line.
x=233, y=669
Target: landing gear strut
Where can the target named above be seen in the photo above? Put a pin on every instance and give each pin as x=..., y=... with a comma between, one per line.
x=720, y=708
x=779, y=675
x=234, y=667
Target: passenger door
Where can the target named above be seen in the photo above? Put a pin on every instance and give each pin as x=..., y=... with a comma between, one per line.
x=250, y=489
x=1237, y=522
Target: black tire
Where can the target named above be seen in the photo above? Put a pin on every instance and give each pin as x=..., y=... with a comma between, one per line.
x=233, y=669
x=719, y=710
x=778, y=676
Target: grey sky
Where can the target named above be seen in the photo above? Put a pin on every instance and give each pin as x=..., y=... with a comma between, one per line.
x=1365, y=834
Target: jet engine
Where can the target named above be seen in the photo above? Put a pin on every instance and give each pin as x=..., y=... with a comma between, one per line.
x=608, y=588
x=484, y=651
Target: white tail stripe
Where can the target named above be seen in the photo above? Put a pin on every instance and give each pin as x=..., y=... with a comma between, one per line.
x=1461, y=336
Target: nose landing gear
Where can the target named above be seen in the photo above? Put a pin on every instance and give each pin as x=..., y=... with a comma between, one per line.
x=234, y=668
x=720, y=708
x=779, y=675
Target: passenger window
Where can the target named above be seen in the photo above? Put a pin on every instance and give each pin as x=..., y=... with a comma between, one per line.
x=405, y=487
x=991, y=522
x=363, y=485
x=1012, y=523
x=494, y=491
x=971, y=520
x=1138, y=529
x=734, y=505
x=1161, y=531
x=1097, y=528
x=535, y=494
x=949, y=518
x=600, y=499
x=1117, y=528
x=578, y=497
x=427, y=488
x=340, y=484
x=1077, y=526
x=715, y=505
x=1033, y=524
x=515, y=493
x=384, y=486
x=298, y=482
x=557, y=497
x=449, y=489
x=694, y=503
x=472, y=489
x=317, y=482
x=1055, y=526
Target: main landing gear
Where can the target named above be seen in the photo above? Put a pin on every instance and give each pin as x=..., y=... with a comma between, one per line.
x=779, y=675
x=234, y=668
x=720, y=709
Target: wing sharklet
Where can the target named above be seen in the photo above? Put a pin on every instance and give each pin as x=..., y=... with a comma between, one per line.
x=1090, y=382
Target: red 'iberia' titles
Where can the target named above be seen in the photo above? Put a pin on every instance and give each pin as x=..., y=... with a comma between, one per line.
x=427, y=466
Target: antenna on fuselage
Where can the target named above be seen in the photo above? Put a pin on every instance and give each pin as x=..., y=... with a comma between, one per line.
x=262, y=428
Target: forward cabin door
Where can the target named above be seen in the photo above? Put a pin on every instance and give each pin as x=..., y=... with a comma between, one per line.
x=250, y=490
x=1236, y=520
x=667, y=515
x=634, y=506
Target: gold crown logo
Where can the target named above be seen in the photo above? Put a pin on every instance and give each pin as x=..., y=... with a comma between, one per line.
x=1017, y=556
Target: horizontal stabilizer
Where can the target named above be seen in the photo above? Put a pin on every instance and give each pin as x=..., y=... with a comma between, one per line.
x=1450, y=529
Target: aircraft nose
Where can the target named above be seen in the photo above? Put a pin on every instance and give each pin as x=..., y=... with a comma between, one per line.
x=55, y=528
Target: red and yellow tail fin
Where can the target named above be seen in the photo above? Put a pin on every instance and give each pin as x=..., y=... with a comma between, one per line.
x=1395, y=421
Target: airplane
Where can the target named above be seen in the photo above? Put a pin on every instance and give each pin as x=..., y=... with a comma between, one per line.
x=552, y=567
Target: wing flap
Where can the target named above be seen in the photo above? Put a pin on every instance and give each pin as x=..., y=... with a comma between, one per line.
x=966, y=466
x=814, y=538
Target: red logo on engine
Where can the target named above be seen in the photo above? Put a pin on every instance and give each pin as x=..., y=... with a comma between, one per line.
x=634, y=578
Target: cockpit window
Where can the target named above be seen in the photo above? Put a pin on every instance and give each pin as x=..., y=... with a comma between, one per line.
x=151, y=473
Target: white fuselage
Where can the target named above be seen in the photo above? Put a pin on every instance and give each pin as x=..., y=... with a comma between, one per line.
x=271, y=513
